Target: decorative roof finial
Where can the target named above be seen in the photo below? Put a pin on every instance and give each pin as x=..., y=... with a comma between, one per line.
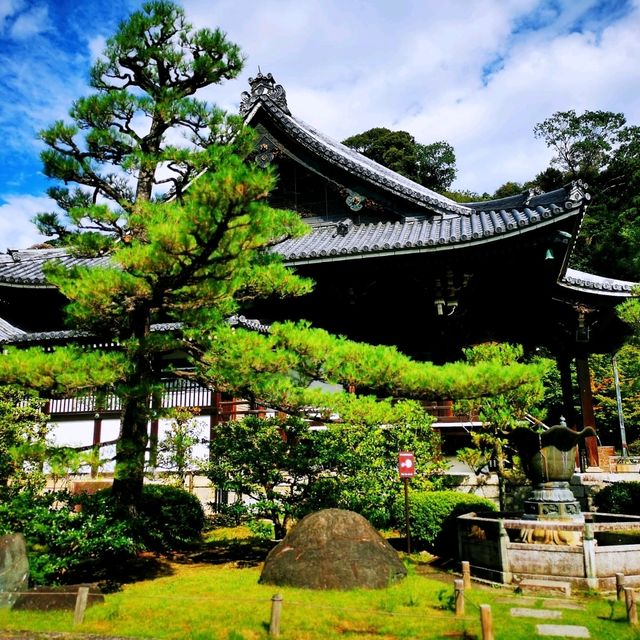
x=263, y=87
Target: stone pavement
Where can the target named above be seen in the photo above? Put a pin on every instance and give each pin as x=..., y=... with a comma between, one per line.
x=554, y=613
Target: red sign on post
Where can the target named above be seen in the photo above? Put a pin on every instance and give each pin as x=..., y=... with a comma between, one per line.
x=406, y=464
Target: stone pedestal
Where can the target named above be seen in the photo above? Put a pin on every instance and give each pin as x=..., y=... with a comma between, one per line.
x=552, y=500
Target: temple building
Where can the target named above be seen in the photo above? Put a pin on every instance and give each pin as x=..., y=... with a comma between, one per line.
x=395, y=263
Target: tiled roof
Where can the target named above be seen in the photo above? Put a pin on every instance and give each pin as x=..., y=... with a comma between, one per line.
x=8, y=331
x=581, y=281
x=355, y=163
x=345, y=240
x=24, y=268
x=12, y=335
x=486, y=221
x=249, y=323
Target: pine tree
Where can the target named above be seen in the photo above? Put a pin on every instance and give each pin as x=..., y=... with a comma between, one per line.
x=183, y=257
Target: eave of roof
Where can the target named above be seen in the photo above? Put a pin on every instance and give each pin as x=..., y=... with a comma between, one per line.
x=24, y=268
x=594, y=284
x=8, y=331
x=10, y=335
x=353, y=162
x=347, y=241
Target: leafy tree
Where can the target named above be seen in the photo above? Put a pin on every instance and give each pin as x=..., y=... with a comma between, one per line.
x=431, y=165
x=175, y=450
x=23, y=431
x=500, y=413
x=288, y=469
x=508, y=189
x=584, y=144
x=601, y=148
x=604, y=393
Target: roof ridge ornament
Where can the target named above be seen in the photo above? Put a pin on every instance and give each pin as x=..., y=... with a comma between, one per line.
x=263, y=86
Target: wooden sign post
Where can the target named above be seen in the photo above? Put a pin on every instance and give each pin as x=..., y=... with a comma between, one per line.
x=407, y=469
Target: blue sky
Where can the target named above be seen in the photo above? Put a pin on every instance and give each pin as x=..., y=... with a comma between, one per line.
x=477, y=73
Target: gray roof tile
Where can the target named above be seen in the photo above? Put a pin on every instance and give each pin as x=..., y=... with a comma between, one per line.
x=324, y=241
x=355, y=163
x=582, y=281
x=8, y=331
x=24, y=268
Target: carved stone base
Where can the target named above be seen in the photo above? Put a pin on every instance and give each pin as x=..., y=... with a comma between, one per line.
x=552, y=501
x=551, y=536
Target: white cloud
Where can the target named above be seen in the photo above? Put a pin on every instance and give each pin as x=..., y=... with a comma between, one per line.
x=16, y=229
x=8, y=8
x=479, y=74
x=31, y=23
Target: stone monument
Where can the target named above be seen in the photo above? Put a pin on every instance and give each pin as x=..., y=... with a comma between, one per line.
x=14, y=568
x=333, y=549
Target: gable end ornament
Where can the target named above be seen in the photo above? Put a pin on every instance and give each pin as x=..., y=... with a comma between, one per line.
x=263, y=86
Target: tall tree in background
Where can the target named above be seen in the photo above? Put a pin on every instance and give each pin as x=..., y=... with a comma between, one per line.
x=431, y=165
x=602, y=149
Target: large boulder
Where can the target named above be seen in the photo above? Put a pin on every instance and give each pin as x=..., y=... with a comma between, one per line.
x=333, y=549
x=14, y=568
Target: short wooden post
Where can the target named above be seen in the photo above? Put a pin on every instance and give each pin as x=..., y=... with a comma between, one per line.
x=630, y=601
x=81, y=605
x=459, y=596
x=486, y=621
x=276, y=608
x=619, y=585
x=466, y=574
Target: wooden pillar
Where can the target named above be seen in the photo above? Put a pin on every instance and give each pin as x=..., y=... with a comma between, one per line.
x=566, y=385
x=586, y=403
x=216, y=413
x=97, y=429
x=153, y=442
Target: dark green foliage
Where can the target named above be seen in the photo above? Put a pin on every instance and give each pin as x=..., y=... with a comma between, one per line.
x=90, y=537
x=602, y=149
x=604, y=394
x=433, y=514
x=499, y=413
x=23, y=429
x=431, y=165
x=620, y=497
x=67, y=545
x=634, y=448
x=289, y=470
x=167, y=519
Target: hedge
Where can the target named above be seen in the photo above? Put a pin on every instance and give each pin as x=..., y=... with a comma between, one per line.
x=432, y=518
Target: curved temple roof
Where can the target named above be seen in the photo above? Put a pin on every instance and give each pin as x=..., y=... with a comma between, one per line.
x=445, y=224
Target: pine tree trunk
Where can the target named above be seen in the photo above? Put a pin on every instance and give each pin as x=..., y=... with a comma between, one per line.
x=133, y=439
x=130, y=451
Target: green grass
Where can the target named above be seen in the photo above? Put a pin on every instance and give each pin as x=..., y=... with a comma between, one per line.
x=222, y=600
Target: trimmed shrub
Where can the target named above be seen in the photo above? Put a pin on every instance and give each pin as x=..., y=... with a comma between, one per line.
x=432, y=518
x=621, y=497
x=170, y=518
x=634, y=448
x=66, y=545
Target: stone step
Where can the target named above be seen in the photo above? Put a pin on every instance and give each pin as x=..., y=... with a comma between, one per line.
x=522, y=612
x=562, y=630
x=545, y=585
